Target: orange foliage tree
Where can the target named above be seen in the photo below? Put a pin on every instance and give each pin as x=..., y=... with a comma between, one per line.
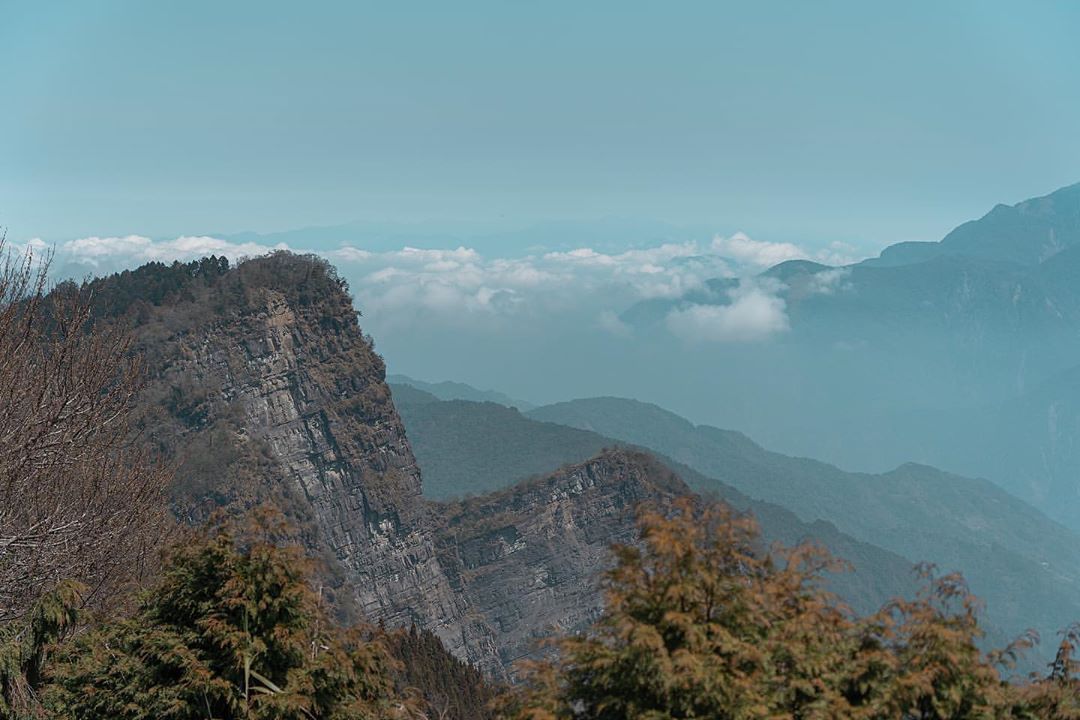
x=700, y=622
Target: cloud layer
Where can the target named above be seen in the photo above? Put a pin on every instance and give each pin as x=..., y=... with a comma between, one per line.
x=755, y=312
x=757, y=253
x=456, y=286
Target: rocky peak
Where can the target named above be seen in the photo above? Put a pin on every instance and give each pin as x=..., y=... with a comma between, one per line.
x=530, y=558
x=261, y=385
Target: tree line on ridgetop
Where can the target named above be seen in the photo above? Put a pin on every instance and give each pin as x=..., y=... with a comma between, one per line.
x=108, y=607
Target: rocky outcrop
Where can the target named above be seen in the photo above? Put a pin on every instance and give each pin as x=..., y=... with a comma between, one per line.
x=261, y=386
x=530, y=559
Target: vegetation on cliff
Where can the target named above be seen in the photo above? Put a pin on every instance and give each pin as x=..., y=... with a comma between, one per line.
x=82, y=509
x=233, y=629
x=699, y=624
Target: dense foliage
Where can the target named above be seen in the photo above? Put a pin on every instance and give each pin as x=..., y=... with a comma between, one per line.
x=232, y=630
x=1022, y=564
x=306, y=280
x=700, y=625
x=452, y=689
x=153, y=284
x=82, y=511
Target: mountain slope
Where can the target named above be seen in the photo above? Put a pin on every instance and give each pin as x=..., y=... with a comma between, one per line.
x=530, y=557
x=1026, y=233
x=470, y=447
x=1010, y=553
x=917, y=498
x=261, y=386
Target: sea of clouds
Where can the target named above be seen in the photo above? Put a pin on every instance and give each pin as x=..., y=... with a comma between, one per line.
x=407, y=289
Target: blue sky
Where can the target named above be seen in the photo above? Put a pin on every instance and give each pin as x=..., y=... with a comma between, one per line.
x=865, y=123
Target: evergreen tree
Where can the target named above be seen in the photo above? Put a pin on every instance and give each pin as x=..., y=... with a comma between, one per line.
x=24, y=648
x=452, y=689
x=699, y=623
x=232, y=630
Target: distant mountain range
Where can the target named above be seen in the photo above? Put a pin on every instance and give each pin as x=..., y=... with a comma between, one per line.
x=1027, y=233
x=960, y=354
x=468, y=449
x=446, y=390
x=1026, y=566
x=437, y=504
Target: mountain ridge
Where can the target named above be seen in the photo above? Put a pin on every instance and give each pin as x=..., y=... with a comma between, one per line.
x=1026, y=233
x=261, y=386
x=477, y=447
x=450, y=390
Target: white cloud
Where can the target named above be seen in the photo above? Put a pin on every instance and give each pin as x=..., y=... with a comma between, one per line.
x=839, y=253
x=755, y=313
x=759, y=253
x=612, y=324
x=348, y=254
x=667, y=270
x=460, y=285
x=108, y=252
x=829, y=281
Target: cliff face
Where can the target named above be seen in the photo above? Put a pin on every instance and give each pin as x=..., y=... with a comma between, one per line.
x=530, y=558
x=261, y=385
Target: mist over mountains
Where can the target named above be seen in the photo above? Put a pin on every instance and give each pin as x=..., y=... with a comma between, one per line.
x=961, y=354
x=957, y=354
x=1026, y=566
x=917, y=355
x=487, y=521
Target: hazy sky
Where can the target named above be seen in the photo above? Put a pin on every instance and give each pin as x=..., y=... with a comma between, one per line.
x=803, y=122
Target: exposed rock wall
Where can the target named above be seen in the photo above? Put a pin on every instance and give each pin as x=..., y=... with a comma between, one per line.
x=262, y=386
x=530, y=559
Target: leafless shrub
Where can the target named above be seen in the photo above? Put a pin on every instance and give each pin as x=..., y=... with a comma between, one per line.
x=78, y=499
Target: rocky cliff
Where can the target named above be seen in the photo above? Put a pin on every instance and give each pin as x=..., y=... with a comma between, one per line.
x=529, y=559
x=261, y=386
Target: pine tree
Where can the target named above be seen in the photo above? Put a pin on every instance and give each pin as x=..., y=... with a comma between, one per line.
x=233, y=630
x=24, y=647
x=700, y=623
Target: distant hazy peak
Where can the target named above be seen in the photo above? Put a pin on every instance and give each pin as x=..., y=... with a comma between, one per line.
x=1026, y=233
x=576, y=413
x=449, y=390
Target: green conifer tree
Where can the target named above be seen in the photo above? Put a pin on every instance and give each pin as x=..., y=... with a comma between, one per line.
x=232, y=631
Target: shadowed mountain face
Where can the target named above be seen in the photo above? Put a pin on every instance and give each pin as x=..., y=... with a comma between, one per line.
x=1024, y=565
